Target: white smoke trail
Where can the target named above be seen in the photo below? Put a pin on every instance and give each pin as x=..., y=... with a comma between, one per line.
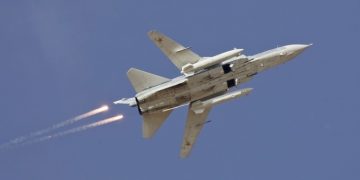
x=73, y=120
x=54, y=127
x=75, y=130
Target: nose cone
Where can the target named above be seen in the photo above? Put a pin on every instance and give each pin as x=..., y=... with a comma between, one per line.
x=296, y=49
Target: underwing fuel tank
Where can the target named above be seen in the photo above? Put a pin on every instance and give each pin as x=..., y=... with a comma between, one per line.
x=202, y=64
x=199, y=106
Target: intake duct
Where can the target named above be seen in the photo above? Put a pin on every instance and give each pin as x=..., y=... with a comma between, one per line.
x=226, y=68
x=231, y=83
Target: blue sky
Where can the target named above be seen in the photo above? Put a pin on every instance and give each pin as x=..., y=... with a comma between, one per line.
x=59, y=59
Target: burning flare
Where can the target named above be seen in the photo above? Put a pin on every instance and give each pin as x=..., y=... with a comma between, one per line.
x=21, y=139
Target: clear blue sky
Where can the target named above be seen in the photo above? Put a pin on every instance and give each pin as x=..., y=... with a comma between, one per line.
x=62, y=58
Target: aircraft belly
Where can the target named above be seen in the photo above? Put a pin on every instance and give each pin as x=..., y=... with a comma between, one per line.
x=214, y=81
x=198, y=86
x=206, y=83
x=166, y=99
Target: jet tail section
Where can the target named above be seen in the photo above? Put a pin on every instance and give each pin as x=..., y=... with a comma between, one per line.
x=142, y=80
x=152, y=122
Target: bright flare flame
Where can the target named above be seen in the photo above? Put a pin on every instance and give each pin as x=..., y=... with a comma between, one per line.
x=106, y=121
x=90, y=113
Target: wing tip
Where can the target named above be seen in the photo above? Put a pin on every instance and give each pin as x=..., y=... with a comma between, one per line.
x=131, y=70
x=184, y=155
x=146, y=136
x=153, y=33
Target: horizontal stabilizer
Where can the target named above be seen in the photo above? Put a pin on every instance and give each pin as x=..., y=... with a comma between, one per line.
x=142, y=80
x=152, y=122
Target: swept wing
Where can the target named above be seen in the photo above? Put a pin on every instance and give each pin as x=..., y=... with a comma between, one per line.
x=194, y=124
x=177, y=53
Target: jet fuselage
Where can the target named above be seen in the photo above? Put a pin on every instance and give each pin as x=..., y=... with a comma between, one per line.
x=212, y=81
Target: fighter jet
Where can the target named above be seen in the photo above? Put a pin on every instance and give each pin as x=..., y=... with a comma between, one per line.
x=204, y=83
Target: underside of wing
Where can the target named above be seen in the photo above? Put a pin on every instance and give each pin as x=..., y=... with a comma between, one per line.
x=177, y=53
x=194, y=124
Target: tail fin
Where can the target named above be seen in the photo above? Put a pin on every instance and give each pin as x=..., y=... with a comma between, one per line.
x=142, y=80
x=152, y=122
